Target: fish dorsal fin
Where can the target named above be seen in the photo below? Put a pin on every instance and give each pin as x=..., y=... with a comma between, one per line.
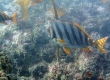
x=55, y=10
x=61, y=11
x=67, y=50
x=82, y=29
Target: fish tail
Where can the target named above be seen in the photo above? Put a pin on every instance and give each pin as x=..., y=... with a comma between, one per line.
x=14, y=18
x=101, y=43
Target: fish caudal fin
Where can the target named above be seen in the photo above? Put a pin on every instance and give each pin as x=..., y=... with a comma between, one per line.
x=101, y=43
x=14, y=18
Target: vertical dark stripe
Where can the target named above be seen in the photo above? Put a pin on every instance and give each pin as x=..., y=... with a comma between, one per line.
x=70, y=33
x=67, y=34
x=77, y=35
x=54, y=34
x=80, y=35
x=59, y=31
x=73, y=33
x=83, y=38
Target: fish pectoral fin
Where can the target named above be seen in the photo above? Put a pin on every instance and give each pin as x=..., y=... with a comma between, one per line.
x=4, y=23
x=86, y=49
x=61, y=41
x=67, y=50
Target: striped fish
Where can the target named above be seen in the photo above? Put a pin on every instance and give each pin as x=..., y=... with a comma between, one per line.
x=70, y=35
x=4, y=17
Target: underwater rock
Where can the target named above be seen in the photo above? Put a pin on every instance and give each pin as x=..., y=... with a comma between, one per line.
x=39, y=71
x=6, y=66
x=6, y=63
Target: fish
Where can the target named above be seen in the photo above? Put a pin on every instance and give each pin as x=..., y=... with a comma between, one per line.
x=33, y=2
x=24, y=5
x=72, y=35
x=4, y=17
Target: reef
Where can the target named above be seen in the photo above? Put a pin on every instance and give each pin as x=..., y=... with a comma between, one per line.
x=28, y=53
x=6, y=68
